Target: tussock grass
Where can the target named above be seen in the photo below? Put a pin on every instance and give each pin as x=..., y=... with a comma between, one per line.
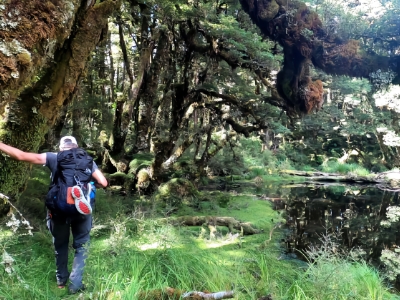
x=343, y=168
x=337, y=278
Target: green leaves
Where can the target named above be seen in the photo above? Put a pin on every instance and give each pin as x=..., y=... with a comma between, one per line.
x=244, y=42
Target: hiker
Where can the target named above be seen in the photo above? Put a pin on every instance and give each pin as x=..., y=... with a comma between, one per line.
x=79, y=199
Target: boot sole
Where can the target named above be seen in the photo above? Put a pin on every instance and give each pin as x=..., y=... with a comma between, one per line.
x=81, y=203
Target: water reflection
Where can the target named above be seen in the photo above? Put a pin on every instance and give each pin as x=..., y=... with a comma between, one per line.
x=362, y=217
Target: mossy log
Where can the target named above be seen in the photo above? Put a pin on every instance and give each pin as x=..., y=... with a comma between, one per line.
x=320, y=184
x=321, y=176
x=121, y=182
x=389, y=180
x=140, y=161
x=245, y=227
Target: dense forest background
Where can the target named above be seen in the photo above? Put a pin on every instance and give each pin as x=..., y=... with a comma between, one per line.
x=173, y=98
x=181, y=89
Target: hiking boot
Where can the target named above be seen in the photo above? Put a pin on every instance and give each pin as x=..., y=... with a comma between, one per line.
x=81, y=203
x=62, y=283
x=73, y=290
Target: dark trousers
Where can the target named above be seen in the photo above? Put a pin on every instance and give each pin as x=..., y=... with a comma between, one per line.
x=60, y=228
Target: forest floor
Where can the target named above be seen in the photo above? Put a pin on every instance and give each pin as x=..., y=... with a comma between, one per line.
x=137, y=251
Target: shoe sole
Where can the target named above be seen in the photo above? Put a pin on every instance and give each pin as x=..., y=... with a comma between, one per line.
x=81, y=204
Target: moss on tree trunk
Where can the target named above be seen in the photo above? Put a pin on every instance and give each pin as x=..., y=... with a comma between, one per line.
x=304, y=39
x=34, y=108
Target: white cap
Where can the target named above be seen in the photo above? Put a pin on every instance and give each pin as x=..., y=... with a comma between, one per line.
x=68, y=141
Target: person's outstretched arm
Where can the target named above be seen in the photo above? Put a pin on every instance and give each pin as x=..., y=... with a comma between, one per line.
x=33, y=158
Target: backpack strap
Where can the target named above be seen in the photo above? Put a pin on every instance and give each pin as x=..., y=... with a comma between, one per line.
x=56, y=175
x=74, y=152
x=77, y=181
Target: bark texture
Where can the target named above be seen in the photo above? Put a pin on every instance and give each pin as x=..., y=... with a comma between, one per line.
x=44, y=48
x=306, y=41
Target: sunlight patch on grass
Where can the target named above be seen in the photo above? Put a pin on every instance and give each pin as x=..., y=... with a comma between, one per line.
x=100, y=244
x=220, y=243
x=4, y=234
x=155, y=245
x=204, y=243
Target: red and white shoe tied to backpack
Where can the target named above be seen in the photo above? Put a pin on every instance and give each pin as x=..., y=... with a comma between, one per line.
x=81, y=203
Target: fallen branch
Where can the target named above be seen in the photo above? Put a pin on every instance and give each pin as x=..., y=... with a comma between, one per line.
x=307, y=173
x=318, y=184
x=229, y=222
x=272, y=231
x=321, y=176
x=385, y=187
x=218, y=295
x=14, y=223
x=171, y=293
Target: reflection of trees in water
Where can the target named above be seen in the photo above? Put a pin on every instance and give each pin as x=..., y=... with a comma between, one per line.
x=355, y=219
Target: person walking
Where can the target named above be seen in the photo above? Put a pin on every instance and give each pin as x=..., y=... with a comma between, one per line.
x=78, y=220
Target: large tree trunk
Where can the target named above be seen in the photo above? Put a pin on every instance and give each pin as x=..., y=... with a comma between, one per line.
x=149, y=93
x=41, y=61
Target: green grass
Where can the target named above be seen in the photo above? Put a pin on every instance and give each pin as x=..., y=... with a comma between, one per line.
x=135, y=251
x=343, y=168
x=131, y=254
x=125, y=267
x=307, y=168
x=337, y=278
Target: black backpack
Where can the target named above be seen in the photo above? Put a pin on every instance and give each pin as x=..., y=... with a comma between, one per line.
x=74, y=167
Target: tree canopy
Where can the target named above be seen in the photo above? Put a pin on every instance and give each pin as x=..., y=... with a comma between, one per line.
x=176, y=80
